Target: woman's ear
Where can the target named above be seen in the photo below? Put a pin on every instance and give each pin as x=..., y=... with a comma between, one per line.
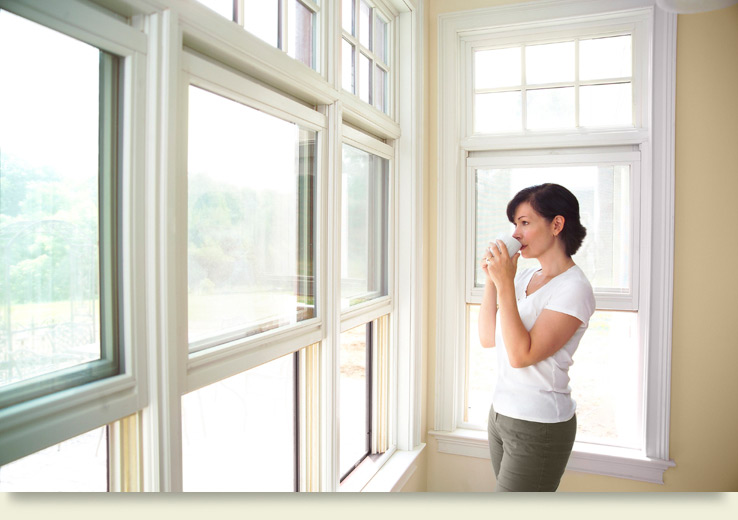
x=558, y=224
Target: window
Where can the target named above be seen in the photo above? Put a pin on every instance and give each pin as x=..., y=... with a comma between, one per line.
x=225, y=447
x=364, y=226
x=365, y=53
x=579, y=83
x=59, y=217
x=250, y=220
x=289, y=25
x=548, y=100
x=70, y=348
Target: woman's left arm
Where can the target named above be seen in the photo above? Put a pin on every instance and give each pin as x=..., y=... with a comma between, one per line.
x=550, y=332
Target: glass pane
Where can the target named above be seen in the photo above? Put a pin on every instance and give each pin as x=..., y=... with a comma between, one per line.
x=497, y=68
x=354, y=420
x=261, y=18
x=239, y=434
x=302, y=39
x=363, y=226
x=348, y=67
x=498, y=112
x=77, y=465
x=365, y=25
x=250, y=219
x=606, y=381
x=550, y=63
x=481, y=373
x=365, y=78
x=551, y=108
x=222, y=7
x=380, y=40
x=603, y=193
x=49, y=200
x=380, y=89
x=604, y=58
x=606, y=105
x=347, y=16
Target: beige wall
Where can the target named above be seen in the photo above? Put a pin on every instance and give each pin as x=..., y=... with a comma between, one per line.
x=704, y=397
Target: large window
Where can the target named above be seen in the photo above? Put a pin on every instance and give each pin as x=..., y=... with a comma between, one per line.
x=566, y=102
x=70, y=343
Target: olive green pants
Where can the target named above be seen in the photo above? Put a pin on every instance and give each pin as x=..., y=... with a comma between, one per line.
x=529, y=456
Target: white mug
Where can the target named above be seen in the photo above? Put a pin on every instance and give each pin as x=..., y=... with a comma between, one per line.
x=513, y=246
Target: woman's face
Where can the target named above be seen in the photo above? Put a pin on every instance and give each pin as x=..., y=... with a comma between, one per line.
x=533, y=231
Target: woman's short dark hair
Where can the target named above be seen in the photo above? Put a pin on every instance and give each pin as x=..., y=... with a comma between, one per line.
x=550, y=200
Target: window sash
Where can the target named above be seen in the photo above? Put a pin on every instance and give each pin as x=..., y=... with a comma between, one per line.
x=606, y=300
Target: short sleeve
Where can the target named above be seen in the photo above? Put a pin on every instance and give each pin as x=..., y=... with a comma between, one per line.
x=575, y=298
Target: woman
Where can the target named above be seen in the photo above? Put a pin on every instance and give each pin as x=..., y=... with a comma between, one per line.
x=536, y=318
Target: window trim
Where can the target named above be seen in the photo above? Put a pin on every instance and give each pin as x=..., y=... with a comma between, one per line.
x=33, y=425
x=656, y=140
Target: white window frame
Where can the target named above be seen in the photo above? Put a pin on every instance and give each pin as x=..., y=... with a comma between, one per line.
x=33, y=425
x=215, y=39
x=653, y=135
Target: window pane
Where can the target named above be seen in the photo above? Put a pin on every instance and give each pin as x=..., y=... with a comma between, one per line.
x=551, y=108
x=347, y=16
x=380, y=40
x=497, y=68
x=549, y=63
x=222, y=7
x=77, y=465
x=498, y=112
x=604, y=58
x=606, y=105
x=302, y=23
x=603, y=193
x=239, y=434
x=250, y=218
x=54, y=177
x=363, y=226
x=365, y=24
x=380, y=89
x=481, y=372
x=606, y=381
x=365, y=78
x=261, y=18
x=348, y=67
x=354, y=418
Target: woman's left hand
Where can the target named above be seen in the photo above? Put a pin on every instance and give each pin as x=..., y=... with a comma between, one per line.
x=500, y=267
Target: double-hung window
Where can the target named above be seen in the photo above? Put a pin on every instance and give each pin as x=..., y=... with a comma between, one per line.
x=366, y=302
x=565, y=101
x=252, y=160
x=71, y=350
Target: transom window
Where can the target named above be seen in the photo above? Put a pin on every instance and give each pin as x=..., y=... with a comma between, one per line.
x=289, y=25
x=365, y=52
x=579, y=83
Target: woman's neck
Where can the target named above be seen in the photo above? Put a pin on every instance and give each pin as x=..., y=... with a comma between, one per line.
x=554, y=263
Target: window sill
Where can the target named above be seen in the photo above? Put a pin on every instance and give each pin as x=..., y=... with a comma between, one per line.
x=587, y=458
x=388, y=474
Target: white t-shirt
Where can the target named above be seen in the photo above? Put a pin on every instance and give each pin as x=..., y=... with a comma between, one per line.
x=541, y=392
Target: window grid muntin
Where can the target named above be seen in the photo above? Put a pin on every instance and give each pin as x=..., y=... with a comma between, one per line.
x=524, y=87
x=354, y=39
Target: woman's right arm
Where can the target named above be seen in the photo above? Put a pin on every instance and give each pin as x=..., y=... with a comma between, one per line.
x=488, y=311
